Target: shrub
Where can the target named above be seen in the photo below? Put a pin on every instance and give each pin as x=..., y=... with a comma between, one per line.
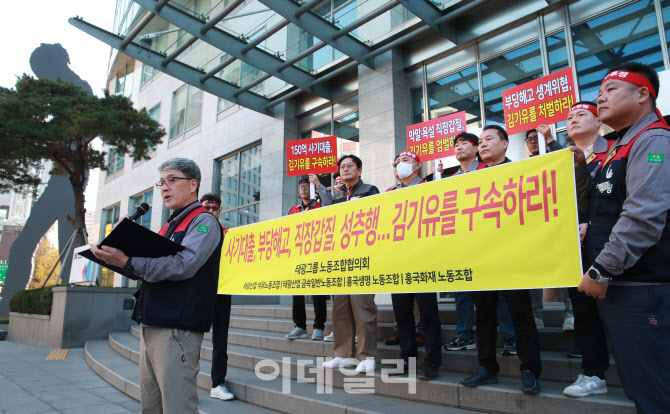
x=33, y=301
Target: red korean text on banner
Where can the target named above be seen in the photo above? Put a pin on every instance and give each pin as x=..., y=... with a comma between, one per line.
x=435, y=138
x=546, y=100
x=311, y=156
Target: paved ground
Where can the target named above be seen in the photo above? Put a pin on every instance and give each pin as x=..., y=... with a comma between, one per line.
x=31, y=384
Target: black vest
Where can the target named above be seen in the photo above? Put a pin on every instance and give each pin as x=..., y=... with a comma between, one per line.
x=186, y=304
x=608, y=194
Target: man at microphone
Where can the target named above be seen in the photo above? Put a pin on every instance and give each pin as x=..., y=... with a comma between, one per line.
x=175, y=303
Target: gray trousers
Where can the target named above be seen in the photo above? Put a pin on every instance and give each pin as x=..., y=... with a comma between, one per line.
x=354, y=315
x=537, y=303
x=169, y=366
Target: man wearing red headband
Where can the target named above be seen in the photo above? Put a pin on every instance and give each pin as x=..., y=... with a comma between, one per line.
x=408, y=166
x=212, y=203
x=394, y=339
x=319, y=301
x=583, y=125
x=628, y=242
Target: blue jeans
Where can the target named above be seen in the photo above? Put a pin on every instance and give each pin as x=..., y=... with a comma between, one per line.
x=465, y=312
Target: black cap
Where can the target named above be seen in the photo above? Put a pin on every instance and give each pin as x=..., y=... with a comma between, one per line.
x=467, y=136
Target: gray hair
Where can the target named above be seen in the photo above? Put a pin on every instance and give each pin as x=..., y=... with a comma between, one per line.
x=188, y=167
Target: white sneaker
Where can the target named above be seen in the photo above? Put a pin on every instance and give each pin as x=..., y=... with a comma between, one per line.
x=333, y=363
x=328, y=338
x=222, y=393
x=297, y=333
x=366, y=366
x=539, y=323
x=569, y=324
x=317, y=335
x=586, y=386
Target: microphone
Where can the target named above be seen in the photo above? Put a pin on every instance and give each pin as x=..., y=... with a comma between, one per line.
x=141, y=210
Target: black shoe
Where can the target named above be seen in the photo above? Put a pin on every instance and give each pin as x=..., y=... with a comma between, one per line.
x=429, y=372
x=529, y=383
x=574, y=352
x=405, y=371
x=509, y=346
x=480, y=377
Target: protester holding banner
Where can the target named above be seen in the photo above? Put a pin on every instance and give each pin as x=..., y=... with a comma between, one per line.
x=212, y=203
x=628, y=242
x=175, y=304
x=466, y=146
x=394, y=339
x=408, y=167
x=353, y=315
x=536, y=294
x=493, y=144
x=319, y=301
x=532, y=140
x=582, y=128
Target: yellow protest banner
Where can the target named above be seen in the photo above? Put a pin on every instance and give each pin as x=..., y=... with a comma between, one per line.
x=513, y=226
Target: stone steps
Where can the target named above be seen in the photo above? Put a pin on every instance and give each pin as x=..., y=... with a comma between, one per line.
x=116, y=364
x=124, y=374
x=445, y=390
x=551, y=338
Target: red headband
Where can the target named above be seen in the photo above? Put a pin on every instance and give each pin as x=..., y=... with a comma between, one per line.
x=632, y=78
x=587, y=107
x=205, y=202
x=409, y=154
x=637, y=80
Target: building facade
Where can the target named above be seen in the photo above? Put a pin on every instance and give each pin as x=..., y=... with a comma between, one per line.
x=420, y=60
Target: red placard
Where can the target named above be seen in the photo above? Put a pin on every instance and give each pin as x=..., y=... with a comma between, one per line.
x=546, y=100
x=311, y=156
x=434, y=139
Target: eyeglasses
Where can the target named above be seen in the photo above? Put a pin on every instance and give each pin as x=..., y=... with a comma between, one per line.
x=212, y=208
x=304, y=187
x=531, y=139
x=346, y=166
x=169, y=182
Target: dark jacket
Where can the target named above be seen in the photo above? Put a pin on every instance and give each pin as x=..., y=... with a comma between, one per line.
x=629, y=207
x=360, y=189
x=179, y=291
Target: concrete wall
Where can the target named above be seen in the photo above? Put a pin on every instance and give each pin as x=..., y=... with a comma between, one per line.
x=77, y=315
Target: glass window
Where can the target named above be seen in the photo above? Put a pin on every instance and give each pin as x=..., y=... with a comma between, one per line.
x=124, y=80
x=193, y=107
x=665, y=5
x=114, y=161
x=110, y=216
x=186, y=110
x=338, y=12
x=503, y=72
x=417, y=105
x=557, y=52
x=630, y=33
x=240, y=207
x=134, y=202
x=455, y=93
x=155, y=114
